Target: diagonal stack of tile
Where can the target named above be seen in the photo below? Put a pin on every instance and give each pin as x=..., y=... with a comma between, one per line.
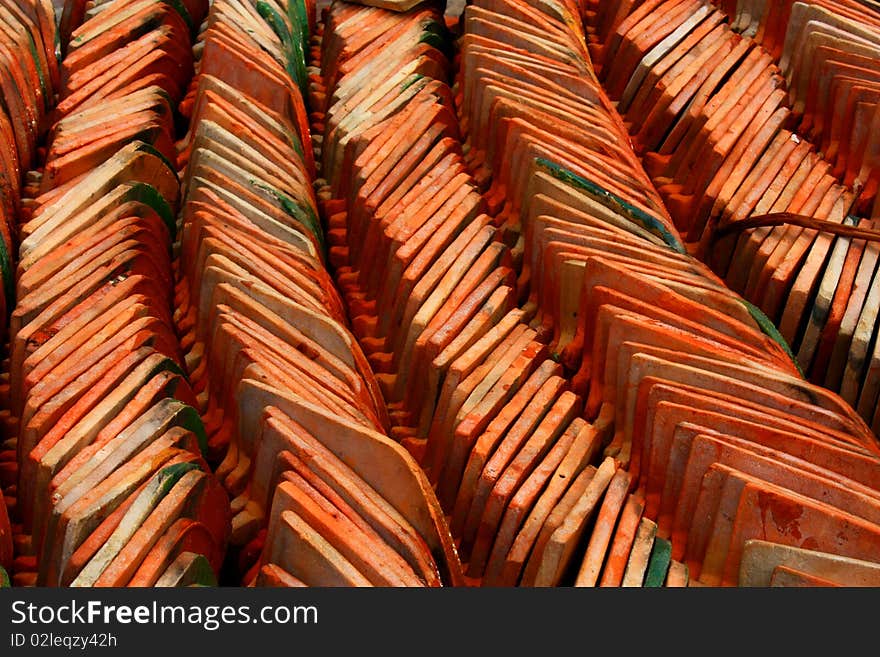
x=28, y=84
x=505, y=425
x=321, y=496
x=113, y=488
x=453, y=347
x=709, y=110
x=829, y=53
x=591, y=404
x=665, y=78
x=391, y=154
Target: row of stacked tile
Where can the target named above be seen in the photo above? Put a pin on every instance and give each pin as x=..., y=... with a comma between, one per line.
x=551, y=353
